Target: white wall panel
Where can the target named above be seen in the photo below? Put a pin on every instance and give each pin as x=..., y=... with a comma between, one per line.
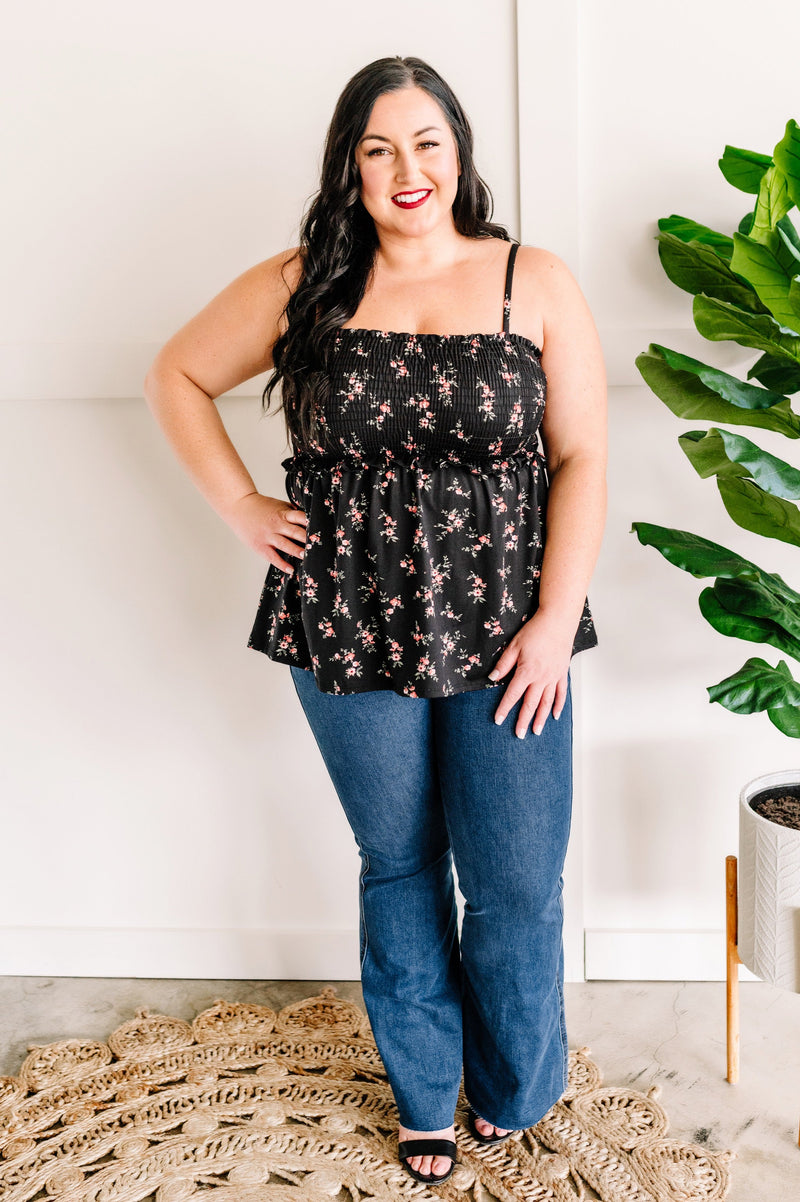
x=624, y=115
x=155, y=771
x=159, y=779
x=158, y=150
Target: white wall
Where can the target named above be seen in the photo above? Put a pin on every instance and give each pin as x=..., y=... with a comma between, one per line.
x=631, y=111
x=166, y=811
x=155, y=771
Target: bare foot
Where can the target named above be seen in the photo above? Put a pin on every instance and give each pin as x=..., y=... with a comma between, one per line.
x=487, y=1129
x=428, y=1164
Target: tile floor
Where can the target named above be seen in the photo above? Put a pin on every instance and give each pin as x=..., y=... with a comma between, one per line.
x=640, y=1034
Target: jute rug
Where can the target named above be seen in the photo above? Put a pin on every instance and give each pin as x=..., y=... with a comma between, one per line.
x=294, y=1106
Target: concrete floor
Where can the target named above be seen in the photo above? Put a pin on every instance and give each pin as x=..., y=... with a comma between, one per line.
x=639, y=1033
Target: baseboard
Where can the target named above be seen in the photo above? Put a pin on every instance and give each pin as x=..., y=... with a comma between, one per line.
x=613, y=955
x=317, y=955
x=186, y=954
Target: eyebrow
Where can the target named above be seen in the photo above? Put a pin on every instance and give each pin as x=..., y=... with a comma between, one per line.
x=381, y=138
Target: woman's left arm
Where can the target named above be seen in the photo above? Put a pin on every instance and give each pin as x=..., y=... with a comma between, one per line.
x=574, y=435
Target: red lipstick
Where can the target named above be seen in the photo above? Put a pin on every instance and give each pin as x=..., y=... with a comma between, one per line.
x=413, y=204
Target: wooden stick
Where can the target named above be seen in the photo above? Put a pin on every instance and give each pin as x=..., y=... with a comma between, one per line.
x=732, y=967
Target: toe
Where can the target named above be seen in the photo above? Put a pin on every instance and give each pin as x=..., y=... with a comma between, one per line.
x=488, y=1129
x=430, y=1165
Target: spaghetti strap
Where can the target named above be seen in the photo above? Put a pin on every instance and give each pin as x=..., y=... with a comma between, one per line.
x=512, y=254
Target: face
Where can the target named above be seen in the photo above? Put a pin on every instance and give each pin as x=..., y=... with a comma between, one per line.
x=408, y=163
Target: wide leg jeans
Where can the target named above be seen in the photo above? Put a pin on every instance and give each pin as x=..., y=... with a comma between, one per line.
x=426, y=783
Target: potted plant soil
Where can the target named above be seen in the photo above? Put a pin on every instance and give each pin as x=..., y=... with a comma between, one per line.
x=746, y=289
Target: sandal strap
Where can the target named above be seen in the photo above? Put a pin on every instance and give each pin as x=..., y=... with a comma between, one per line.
x=427, y=1147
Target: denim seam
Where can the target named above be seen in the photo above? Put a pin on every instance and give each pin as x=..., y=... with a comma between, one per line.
x=365, y=934
x=562, y=1015
x=560, y=896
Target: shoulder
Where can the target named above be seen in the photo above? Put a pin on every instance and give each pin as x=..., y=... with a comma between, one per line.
x=259, y=294
x=273, y=280
x=231, y=339
x=288, y=266
x=547, y=287
x=538, y=268
x=256, y=299
x=281, y=276
x=539, y=284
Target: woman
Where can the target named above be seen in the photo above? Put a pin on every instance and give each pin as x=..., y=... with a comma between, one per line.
x=409, y=578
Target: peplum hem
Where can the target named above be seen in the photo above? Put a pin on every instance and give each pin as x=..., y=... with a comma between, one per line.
x=417, y=571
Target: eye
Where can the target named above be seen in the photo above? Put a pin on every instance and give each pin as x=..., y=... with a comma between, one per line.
x=382, y=149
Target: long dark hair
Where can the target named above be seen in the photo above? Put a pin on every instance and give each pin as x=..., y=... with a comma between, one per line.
x=338, y=238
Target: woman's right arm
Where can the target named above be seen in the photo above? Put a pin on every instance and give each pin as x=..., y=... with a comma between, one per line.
x=226, y=343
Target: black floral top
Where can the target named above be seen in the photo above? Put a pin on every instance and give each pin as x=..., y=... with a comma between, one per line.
x=426, y=526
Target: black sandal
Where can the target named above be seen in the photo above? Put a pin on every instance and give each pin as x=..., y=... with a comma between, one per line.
x=427, y=1147
x=485, y=1139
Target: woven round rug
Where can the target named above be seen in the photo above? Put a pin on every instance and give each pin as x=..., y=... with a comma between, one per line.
x=294, y=1106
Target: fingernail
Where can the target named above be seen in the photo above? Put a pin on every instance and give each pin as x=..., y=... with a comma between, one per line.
x=493, y=675
x=521, y=736
x=499, y=721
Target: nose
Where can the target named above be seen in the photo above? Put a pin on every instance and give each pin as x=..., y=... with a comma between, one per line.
x=404, y=169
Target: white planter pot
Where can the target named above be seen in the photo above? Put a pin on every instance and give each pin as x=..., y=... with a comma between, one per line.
x=769, y=889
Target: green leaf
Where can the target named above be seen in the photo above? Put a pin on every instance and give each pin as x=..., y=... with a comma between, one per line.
x=768, y=265
x=741, y=586
x=694, y=391
x=787, y=719
x=771, y=474
x=716, y=452
x=773, y=202
x=757, y=686
x=696, y=268
x=790, y=236
x=705, y=450
x=776, y=374
x=744, y=626
x=720, y=322
x=692, y=231
x=787, y=158
x=729, y=388
x=694, y=554
x=760, y=599
x=743, y=168
x=794, y=296
x=753, y=509
x=746, y=224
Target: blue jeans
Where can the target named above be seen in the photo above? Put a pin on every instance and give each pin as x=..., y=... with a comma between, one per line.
x=426, y=782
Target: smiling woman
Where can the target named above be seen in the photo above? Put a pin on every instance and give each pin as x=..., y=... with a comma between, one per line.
x=410, y=170
x=430, y=441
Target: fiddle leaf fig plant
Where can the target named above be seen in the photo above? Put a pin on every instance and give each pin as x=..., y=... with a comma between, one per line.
x=746, y=289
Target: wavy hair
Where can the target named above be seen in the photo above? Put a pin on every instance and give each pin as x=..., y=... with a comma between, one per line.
x=338, y=238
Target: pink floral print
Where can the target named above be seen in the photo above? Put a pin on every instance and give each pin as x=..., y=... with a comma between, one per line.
x=426, y=497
